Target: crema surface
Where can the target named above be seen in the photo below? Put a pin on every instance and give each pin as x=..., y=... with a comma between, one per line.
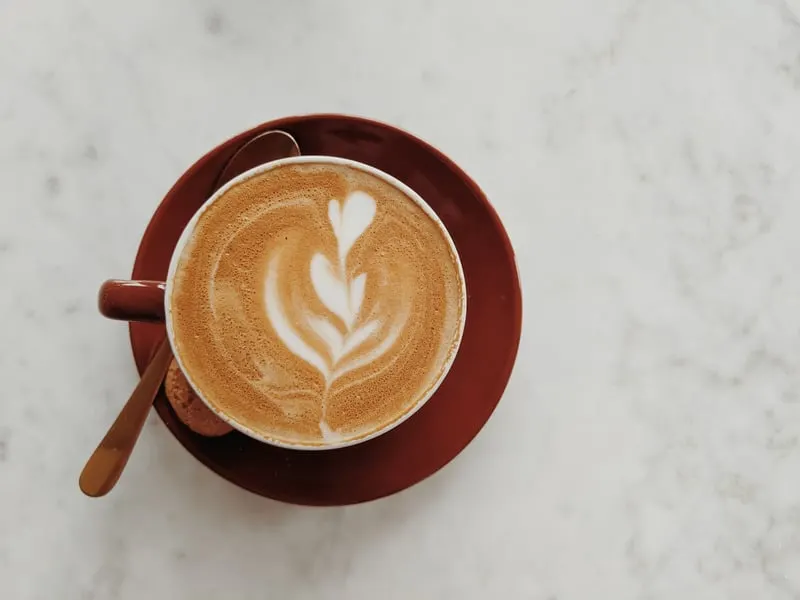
x=316, y=303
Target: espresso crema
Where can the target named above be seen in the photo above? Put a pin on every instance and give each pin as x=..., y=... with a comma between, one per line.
x=316, y=303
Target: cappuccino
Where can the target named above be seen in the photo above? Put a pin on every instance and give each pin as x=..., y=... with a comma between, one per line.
x=315, y=302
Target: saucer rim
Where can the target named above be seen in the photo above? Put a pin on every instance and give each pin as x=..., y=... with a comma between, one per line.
x=503, y=374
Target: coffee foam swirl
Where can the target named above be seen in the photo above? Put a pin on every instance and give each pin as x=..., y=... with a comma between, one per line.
x=315, y=303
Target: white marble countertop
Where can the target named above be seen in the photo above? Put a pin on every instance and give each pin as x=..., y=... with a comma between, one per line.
x=645, y=156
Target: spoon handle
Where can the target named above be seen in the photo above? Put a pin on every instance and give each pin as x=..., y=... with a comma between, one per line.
x=104, y=467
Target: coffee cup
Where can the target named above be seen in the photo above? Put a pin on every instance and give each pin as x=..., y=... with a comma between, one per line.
x=312, y=302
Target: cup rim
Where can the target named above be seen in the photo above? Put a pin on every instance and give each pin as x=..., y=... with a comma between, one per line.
x=187, y=233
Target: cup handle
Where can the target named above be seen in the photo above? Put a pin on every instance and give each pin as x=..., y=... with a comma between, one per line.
x=126, y=300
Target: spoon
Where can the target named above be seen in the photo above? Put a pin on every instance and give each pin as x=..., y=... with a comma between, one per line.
x=105, y=465
x=264, y=148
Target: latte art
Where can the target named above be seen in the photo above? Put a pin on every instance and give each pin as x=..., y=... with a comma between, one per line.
x=342, y=295
x=316, y=303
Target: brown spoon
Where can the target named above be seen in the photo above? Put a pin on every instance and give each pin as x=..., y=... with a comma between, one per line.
x=105, y=465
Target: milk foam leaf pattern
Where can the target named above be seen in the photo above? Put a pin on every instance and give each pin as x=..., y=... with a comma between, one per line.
x=356, y=299
x=280, y=323
x=342, y=295
x=359, y=336
x=339, y=328
x=354, y=218
x=335, y=217
x=331, y=287
x=329, y=334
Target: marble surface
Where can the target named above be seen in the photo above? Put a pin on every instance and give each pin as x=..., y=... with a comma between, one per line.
x=644, y=155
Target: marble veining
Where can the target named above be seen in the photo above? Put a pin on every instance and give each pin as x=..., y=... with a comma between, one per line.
x=643, y=155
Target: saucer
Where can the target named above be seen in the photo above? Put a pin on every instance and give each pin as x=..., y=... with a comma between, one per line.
x=465, y=400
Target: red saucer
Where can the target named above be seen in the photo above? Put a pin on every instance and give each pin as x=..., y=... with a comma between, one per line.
x=454, y=415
